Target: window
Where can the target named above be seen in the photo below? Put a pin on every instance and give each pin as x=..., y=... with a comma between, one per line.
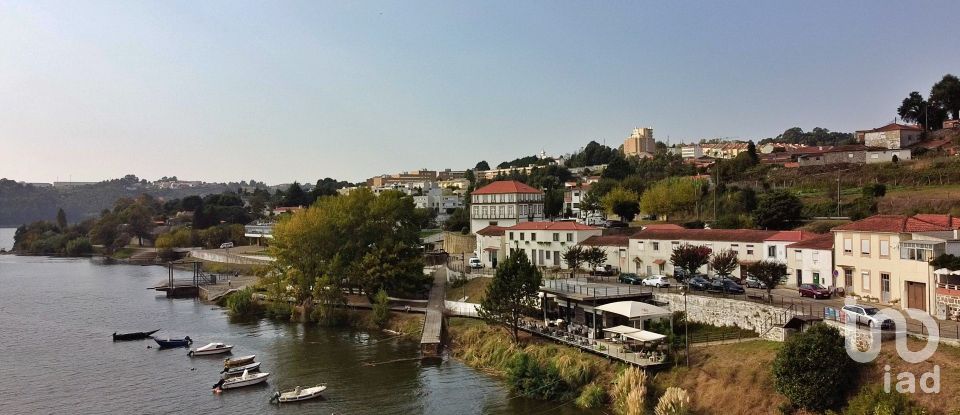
x=511, y=235
x=865, y=280
x=523, y=210
x=533, y=236
x=865, y=247
x=884, y=249
x=656, y=246
x=749, y=249
x=815, y=256
x=771, y=251
x=556, y=237
x=639, y=245
x=799, y=255
x=521, y=236
x=848, y=246
x=569, y=237
x=548, y=254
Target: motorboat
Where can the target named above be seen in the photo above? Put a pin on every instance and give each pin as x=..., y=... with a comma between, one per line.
x=238, y=370
x=239, y=361
x=139, y=335
x=212, y=348
x=246, y=379
x=172, y=343
x=299, y=394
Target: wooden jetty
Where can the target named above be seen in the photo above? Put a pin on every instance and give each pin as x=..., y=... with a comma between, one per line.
x=182, y=288
x=431, y=340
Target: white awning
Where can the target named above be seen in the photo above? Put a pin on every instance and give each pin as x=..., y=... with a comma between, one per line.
x=942, y=271
x=645, y=336
x=621, y=329
x=634, y=309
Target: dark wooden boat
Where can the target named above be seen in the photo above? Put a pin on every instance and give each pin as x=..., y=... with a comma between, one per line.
x=172, y=343
x=140, y=335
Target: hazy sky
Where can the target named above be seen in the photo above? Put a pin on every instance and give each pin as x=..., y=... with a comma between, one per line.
x=279, y=91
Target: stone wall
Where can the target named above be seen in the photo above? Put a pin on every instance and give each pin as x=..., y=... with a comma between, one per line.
x=765, y=320
x=230, y=258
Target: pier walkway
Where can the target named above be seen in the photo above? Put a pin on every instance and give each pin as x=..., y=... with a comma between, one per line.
x=431, y=341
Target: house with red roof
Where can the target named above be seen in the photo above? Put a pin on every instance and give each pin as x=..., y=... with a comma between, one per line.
x=891, y=136
x=616, y=247
x=811, y=261
x=545, y=242
x=650, y=249
x=505, y=203
x=885, y=259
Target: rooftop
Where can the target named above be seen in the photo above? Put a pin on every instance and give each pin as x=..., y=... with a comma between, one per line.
x=824, y=242
x=897, y=224
x=792, y=236
x=894, y=127
x=506, y=186
x=607, y=240
x=731, y=235
x=491, y=230
x=551, y=226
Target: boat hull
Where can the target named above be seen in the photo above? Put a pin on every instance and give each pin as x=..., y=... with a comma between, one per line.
x=140, y=335
x=237, y=371
x=240, y=361
x=239, y=383
x=173, y=343
x=306, y=394
x=211, y=350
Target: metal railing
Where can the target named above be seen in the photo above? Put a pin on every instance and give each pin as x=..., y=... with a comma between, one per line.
x=588, y=289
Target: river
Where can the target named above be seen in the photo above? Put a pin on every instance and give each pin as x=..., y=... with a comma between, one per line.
x=56, y=317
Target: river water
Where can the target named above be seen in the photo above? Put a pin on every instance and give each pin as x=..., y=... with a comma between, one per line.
x=56, y=354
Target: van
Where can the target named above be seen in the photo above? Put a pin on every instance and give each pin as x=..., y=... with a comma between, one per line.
x=226, y=245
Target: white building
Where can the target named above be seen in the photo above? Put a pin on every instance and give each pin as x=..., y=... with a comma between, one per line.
x=891, y=136
x=491, y=247
x=440, y=200
x=775, y=247
x=616, y=247
x=545, y=242
x=573, y=198
x=505, y=203
x=693, y=151
x=811, y=262
x=650, y=249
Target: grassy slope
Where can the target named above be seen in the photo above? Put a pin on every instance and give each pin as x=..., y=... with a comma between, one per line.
x=473, y=290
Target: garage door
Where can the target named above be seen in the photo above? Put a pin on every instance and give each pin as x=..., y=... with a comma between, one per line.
x=917, y=295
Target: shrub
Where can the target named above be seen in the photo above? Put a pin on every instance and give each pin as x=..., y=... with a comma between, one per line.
x=813, y=370
x=629, y=391
x=79, y=246
x=530, y=378
x=592, y=396
x=675, y=401
x=167, y=254
x=241, y=303
x=874, y=401
x=381, y=309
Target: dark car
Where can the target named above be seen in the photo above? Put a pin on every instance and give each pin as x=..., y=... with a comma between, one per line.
x=755, y=283
x=630, y=278
x=726, y=286
x=616, y=224
x=814, y=291
x=698, y=283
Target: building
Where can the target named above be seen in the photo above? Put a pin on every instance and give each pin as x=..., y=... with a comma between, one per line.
x=775, y=147
x=692, y=151
x=890, y=136
x=855, y=154
x=724, y=150
x=70, y=185
x=775, y=247
x=650, y=249
x=505, y=203
x=259, y=231
x=573, y=198
x=640, y=143
x=545, y=242
x=812, y=261
x=885, y=258
x=491, y=248
x=616, y=247
x=441, y=201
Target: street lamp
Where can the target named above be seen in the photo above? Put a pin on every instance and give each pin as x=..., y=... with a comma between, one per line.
x=686, y=323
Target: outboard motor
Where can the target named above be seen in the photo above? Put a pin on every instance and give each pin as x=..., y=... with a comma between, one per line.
x=218, y=384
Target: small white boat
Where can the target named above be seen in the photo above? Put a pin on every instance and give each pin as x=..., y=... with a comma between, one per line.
x=299, y=394
x=237, y=371
x=246, y=379
x=212, y=348
x=239, y=361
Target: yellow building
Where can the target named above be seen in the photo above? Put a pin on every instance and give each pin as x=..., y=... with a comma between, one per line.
x=640, y=143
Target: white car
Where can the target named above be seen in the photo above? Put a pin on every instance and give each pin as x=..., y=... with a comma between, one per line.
x=656, y=281
x=869, y=316
x=475, y=263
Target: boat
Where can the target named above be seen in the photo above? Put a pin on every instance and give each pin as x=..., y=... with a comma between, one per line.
x=246, y=379
x=139, y=335
x=239, y=361
x=212, y=348
x=172, y=343
x=238, y=370
x=299, y=394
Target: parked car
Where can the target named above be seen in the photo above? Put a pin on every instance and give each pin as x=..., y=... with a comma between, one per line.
x=630, y=278
x=698, y=283
x=752, y=282
x=226, y=245
x=726, y=286
x=869, y=316
x=616, y=224
x=656, y=281
x=604, y=270
x=475, y=263
x=814, y=291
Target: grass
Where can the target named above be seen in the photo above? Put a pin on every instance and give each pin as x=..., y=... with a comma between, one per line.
x=427, y=232
x=123, y=253
x=473, y=289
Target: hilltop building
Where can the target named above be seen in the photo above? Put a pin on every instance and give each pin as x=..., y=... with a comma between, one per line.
x=640, y=143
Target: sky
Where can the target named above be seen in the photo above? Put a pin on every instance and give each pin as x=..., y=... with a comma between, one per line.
x=282, y=91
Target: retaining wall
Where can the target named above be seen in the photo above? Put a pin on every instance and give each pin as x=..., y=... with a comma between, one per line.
x=765, y=320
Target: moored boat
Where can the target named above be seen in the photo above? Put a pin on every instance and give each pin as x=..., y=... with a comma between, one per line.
x=138, y=335
x=246, y=379
x=238, y=370
x=172, y=343
x=299, y=394
x=239, y=361
x=212, y=348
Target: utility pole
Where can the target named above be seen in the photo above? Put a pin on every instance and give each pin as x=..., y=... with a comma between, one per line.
x=838, y=192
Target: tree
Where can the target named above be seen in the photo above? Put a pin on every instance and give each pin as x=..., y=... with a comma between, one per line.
x=459, y=221
x=552, y=202
x=295, y=196
x=918, y=110
x=574, y=257
x=138, y=220
x=770, y=273
x=946, y=93
x=813, y=370
x=61, y=220
x=670, y=195
x=622, y=203
x=777, y=209
x=513, y=289
x=689, y=258
x=595, y=256
x=381, y=309
x=617, y=169
x=482, y=166
x=191, y=203
x=724, y=262
x=752, y=153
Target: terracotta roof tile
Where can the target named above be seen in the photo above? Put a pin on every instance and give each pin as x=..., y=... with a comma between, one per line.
x=662, y=226
x=732, y=235
x=824, y=242
x=894, y=126
x=506, y=186
x=607, y=240
x=551, y=226
x=491, y=230
x=792, y=236
x=892, y=224
x=941, y=220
